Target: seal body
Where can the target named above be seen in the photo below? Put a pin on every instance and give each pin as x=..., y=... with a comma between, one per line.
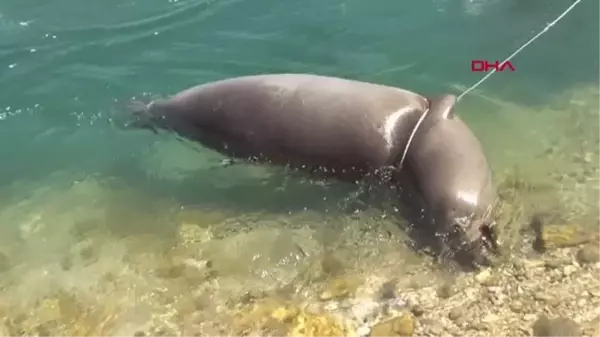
x=331, y=126
x=344, y=129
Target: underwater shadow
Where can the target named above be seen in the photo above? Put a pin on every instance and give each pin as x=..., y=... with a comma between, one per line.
x=289, y=191
x=406, y=206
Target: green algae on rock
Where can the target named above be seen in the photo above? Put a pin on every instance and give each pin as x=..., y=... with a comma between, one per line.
x=340, y=287
x=189, y=233
x=403, y=325
x=308, y=324
x=559, y=236
x=275, y=318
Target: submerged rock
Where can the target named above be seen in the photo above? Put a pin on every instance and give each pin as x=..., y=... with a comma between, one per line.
x=339, y=288
x=559, y=326
x=190, y=233
x=189, y=268
x=446, y=290
x=61, y=315
x=590, y=253
x=388, y=290
x=306, y=324
x=269, y=254
x=554, y=236
x=403, y=325
x=331, y=265
x=276, y=318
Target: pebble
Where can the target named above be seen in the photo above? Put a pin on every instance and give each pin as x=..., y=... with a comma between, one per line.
x=569, y=270
x=388, y=290
x=398, y=326
x=490, y=318
x=433, y=327
x=594, y=293
x=516, y=306
x=554, y=301
x=483, y=276
x=445, y=291
x=529, y=317
x=338, y=288
x=363, y=331
x=417, y=310
x=455, y=314
x=590, y=253
x=541, y=297
x=365, y=310
x=553, y=263
x=559, y=326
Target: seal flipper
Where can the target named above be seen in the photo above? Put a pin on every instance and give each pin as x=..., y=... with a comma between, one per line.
x=443, y=105
x=440, y=108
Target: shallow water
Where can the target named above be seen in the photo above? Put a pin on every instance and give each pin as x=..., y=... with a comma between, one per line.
x=83, y=204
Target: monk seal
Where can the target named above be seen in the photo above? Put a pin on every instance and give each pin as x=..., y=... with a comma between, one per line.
x=446, y=165
x=345, y=129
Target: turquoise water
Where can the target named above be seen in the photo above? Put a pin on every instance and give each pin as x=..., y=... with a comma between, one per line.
x=63, y=64
x=67, y=67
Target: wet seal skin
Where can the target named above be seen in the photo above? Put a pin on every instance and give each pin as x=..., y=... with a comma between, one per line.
x=451, y=175
x=347, y=130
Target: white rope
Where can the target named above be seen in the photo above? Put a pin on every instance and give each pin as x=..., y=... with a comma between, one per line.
x=520, y=49
x=412, y=135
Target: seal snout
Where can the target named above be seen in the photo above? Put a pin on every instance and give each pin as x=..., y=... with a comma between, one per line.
x=489, y=237
x=485, y=249
x=472, y=239
x=481, y=248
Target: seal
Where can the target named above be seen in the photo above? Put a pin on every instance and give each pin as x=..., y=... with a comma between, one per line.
x=345, y=129
x=446, y=166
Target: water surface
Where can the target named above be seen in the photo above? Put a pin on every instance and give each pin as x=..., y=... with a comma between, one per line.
x=67, y=66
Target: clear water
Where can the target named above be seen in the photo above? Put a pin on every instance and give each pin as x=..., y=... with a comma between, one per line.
x=63, y=64
x=67, y=66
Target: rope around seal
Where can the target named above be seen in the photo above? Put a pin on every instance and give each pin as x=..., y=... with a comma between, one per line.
x=412, y=135
x=520, y=49
x=548, y=26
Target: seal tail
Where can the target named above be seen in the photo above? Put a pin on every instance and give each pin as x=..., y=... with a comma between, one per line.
x=140, y=116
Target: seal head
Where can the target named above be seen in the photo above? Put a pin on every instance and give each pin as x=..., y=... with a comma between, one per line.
x=454, y=179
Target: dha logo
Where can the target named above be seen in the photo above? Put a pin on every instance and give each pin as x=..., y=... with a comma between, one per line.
x=485, y=66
